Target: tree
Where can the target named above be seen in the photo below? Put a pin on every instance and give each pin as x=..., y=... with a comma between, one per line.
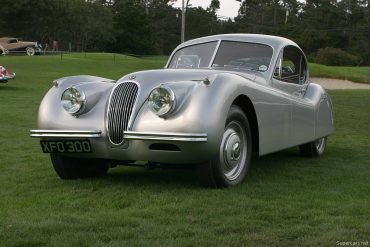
x=214, y=6
x=132, y=29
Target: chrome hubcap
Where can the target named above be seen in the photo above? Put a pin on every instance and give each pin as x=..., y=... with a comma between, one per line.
x=233, y=150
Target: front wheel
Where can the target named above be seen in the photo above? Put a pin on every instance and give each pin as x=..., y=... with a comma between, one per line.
x=30, y=51
x=231, y=164
x=74, y=168
x=313, y=149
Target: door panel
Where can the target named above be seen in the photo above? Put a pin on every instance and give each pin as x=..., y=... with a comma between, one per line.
x=274, y=116
x=291, y=77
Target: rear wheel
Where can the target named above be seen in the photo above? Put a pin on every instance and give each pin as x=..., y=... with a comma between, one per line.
x=231, y=164
x=73, y=168
x=313, y=149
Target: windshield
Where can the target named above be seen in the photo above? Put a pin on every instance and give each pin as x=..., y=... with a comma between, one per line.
x=242, y=55
x=195, y=56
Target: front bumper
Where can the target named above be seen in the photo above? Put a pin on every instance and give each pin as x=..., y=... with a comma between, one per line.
x=190, y=147
x=65, y=133
x=128, y=135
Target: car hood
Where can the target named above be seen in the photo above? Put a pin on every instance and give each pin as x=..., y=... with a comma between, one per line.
x=154, y=78
x=182, y=81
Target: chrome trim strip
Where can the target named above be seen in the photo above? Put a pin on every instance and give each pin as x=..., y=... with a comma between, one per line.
x=166, y=136
x=66, y=133
x=214, y=54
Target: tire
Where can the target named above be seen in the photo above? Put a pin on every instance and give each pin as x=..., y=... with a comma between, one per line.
x=74, y=168
x=30, y=51
x=313, y=149
x=233, y=160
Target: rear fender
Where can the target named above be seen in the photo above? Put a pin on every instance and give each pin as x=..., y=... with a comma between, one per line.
x=324, y=118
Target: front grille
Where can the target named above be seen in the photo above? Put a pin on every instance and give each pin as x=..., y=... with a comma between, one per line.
x=120, y=109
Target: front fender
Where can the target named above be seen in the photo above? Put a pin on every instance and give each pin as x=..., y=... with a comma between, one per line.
x=52, y=116
x=203, y=109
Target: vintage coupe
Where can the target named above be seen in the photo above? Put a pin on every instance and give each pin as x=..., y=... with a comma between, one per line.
x=218, y=100
x=13, y=45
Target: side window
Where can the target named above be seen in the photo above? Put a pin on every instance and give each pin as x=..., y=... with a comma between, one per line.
x=291, y=66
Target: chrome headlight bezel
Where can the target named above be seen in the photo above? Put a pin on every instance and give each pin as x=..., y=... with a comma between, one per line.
x=167, y=95
x=78, y=100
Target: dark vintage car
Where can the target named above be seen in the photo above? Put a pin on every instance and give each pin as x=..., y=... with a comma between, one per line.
x=5, y=74
x=218, y=100
x=13, y=45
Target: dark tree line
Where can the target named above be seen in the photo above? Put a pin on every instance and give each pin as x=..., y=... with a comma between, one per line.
x=153, y=26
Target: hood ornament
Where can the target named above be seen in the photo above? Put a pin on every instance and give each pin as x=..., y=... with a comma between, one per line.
x=131, y=77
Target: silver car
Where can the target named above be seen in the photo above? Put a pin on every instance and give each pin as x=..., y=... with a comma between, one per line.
x=218, y=100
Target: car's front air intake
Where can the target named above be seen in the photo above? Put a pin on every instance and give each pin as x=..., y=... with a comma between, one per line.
x=121, y=105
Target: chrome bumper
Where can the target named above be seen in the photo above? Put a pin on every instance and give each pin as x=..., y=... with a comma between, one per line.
x=128, y=135
x=5, y=78
x=66, y=133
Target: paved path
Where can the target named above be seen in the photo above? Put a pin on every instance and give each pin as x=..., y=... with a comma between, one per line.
x=339, y=84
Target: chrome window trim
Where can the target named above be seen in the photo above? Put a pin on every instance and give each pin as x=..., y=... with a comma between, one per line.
x=229, y=40
x=200, y=43
x=214, y=53
x=219, y=41
x=281, y=57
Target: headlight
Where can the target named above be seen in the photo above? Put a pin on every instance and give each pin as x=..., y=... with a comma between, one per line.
x=162, y=101
x=73, y=100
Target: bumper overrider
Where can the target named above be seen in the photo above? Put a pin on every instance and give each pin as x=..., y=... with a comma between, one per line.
x=176, y=148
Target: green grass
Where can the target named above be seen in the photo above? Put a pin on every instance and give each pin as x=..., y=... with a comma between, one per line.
x=287, y=200
x=355, y=74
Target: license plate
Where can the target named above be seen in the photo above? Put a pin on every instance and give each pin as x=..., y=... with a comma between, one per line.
x=64, y=146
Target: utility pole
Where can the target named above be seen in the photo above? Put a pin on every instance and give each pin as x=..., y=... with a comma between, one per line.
x=147, y=7
x=183, y=22
x=183, y=10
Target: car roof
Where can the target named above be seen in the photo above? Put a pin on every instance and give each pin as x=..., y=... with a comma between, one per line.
x=275, y=42
x=6, y=38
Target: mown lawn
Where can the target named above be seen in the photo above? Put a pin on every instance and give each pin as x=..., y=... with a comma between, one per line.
x=286, y=201
x=355, y=74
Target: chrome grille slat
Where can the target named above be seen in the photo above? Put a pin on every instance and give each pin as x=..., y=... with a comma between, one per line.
x=125, y=105
x=120, y=113
x=115, y=126
x=120, y=108
x=114, y=114
x=127, y=118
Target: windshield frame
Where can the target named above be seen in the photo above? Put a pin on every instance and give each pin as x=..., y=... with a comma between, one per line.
x=218, y=42
x=213, y=57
